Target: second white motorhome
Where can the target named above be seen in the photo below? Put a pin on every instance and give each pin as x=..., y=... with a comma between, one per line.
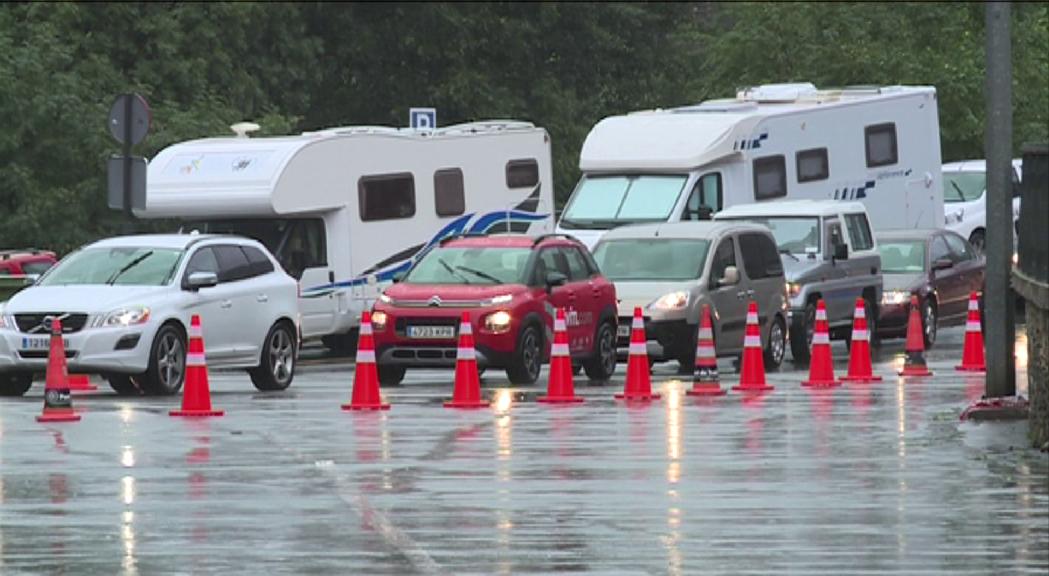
x=344, y=210
x=878, y=145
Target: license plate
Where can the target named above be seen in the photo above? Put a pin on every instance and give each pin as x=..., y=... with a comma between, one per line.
x=623, y=331
x=40, y=343
x=431, y=332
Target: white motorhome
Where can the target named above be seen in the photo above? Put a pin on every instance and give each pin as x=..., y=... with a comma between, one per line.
x=345, y=209
x=878, y=145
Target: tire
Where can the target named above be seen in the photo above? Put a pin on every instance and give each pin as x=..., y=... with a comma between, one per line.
x=123, y=385
x=394, y=375
x=277, y=360
x=777, y=345
x=167, y=363
x=930, y=321
x=576, y=369
x=801, y=335
x=602, y=363
x=15, y=384
x=528, y=357
x=686, y=358
x=341, y=344
x=978, y=240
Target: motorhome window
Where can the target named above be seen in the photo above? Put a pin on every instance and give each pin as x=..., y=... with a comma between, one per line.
x=902, y=256
x=604, y=201
x=303, y=247
x=963, y=186
x=859, y=231
x=770, y=177
x=881, y=145
x=470, y=265
x=647, y=259
x=522, y=173
x=812, y=165
x=386, y=197
x=705, y=198
x=448, y=195
x=760, y=258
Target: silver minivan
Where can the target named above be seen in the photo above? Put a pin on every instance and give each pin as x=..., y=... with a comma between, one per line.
x=672, y=269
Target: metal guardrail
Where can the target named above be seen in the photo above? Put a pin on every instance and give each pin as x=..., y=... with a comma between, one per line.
x=1033, y=248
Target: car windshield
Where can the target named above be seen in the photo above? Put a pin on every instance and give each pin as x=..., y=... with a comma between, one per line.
x=963, y=186
x=796, y=235
x=652, y=259
x=902, y=256
x=602, y=202
x=123, y=265
x=470, y=265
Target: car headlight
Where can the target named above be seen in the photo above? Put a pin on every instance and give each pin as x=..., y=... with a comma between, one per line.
x=672, y=301
x=379, y=320
x=498, y=322
x=126, y=316
x=793, y=289
x=894, y=297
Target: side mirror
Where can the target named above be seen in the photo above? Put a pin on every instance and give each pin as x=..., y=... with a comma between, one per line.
x=555, y=279
x=942, y=264
x=841, y=251
x=730, y=278
x=198, y=280
x=398, y=276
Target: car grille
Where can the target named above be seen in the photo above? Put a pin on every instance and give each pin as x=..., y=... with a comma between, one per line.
x=32, y=322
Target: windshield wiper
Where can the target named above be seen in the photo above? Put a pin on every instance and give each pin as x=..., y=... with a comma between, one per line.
x=127, y=267
x=584, y=224
x=484, y=275
x=789, y=253
x=961, y=195
x=451, y=270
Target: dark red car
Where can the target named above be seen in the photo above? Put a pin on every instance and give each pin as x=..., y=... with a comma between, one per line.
x=510, y=286
x=25, y=262
x=938, y=266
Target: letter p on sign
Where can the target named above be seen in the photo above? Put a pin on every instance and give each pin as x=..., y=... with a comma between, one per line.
x=423, y=118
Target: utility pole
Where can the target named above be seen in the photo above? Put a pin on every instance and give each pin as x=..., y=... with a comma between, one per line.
x=998, y=144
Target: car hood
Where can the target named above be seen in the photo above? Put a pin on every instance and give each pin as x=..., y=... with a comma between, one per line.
x=634, y=293
x=451, y=292
x=79, y=298
x=796, y=270
x=902, y=282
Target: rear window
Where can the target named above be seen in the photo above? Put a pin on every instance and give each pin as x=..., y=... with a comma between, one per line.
x=902, y=256
x=770, y=177
x=522, y=173
x=760, y=257
x=880, y=142
x=449, y=198
x=652, y=259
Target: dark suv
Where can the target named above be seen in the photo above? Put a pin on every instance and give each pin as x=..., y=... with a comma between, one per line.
x=510, y=286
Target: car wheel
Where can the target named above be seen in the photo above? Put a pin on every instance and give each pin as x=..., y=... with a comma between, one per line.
x=777, y=345
x=686, y=356
x=528, y=357
x=801, y=335
x=977, y=241
x=393, y=375
x=123, y=384
x=929, y=322
x=167, y=363
x=576, y=369
x=15, y=384
x=602, y=364
x=276, y=367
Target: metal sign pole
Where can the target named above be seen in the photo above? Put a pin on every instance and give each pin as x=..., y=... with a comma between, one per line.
x=127, y=154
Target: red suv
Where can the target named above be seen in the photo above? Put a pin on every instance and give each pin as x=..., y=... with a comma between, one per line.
x=25, y=262
x=510, y=286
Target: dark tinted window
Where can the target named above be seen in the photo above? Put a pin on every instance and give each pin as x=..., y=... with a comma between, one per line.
x=233, y=264
x=812, y=165
x=939, y=250
x=577, y=267
x=859, y=231
x=760, y=257
x=448, y=192
x=770, y=177
x=203, y=260
x=881, y=144
x=386, y=197
x=550, y=260
x=522, y=173
x=724, y=257
x=959, y=247
x=259, y=263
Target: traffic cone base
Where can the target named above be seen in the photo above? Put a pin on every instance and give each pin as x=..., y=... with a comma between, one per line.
x=820, y=383
x=467, y=390
x=705, y=380
x=914, y=365
x=972, y=355
x=706, y=389
x=638, y=386
x=197, y=413
x=964, y=368
x=366, y=394
x=821, y=364
x=559, y=399
x=58, y=406
x=81, y=383
x=752, y=369
x=862, y=379
x=59, y=415
x=196, y=393
x=561, y=388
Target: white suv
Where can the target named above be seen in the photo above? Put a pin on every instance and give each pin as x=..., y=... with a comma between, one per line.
x=965, y=199
x=125, y=304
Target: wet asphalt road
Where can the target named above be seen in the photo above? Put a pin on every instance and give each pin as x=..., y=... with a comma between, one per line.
x=863, y=479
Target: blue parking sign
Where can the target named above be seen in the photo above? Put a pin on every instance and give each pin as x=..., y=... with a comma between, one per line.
x=423, y=118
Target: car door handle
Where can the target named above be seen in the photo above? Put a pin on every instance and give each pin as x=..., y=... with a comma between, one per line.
x=741, y=294
x=262, y=298
x=226, y=304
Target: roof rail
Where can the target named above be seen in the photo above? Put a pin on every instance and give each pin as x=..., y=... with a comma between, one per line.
x=543, y=237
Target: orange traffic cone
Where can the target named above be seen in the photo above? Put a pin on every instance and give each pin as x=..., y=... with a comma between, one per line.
x=58, y=406
x=638, y=381
x=366, y=375
x=752, y=376
x=196, y=394
x=81, y=383
x=705, y=377
x=860, y=369
x=972, y=357
x=914, y=365
x=467, y=393
x=821, y=365
x=561, y=389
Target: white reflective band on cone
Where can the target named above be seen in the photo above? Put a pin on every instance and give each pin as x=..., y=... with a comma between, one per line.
x=973, y=306
x=466, y=354
x=194, y=359
x=559, y=349
x=559, y=325
x=366, y=329
x=859, y=334
x=821, y=314
x=705, y=351
x=195, y=331
x=861, y=312
x=972, y=326
x=638, y=348
x=366, y=356
x=752, y=318
x=465, y=328
x=820, y=338
x=637, y=324
x=706, y=333
x=752, y=341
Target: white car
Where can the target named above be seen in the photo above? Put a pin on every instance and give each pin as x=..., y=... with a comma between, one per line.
x=125, y=304
x=965, y=199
